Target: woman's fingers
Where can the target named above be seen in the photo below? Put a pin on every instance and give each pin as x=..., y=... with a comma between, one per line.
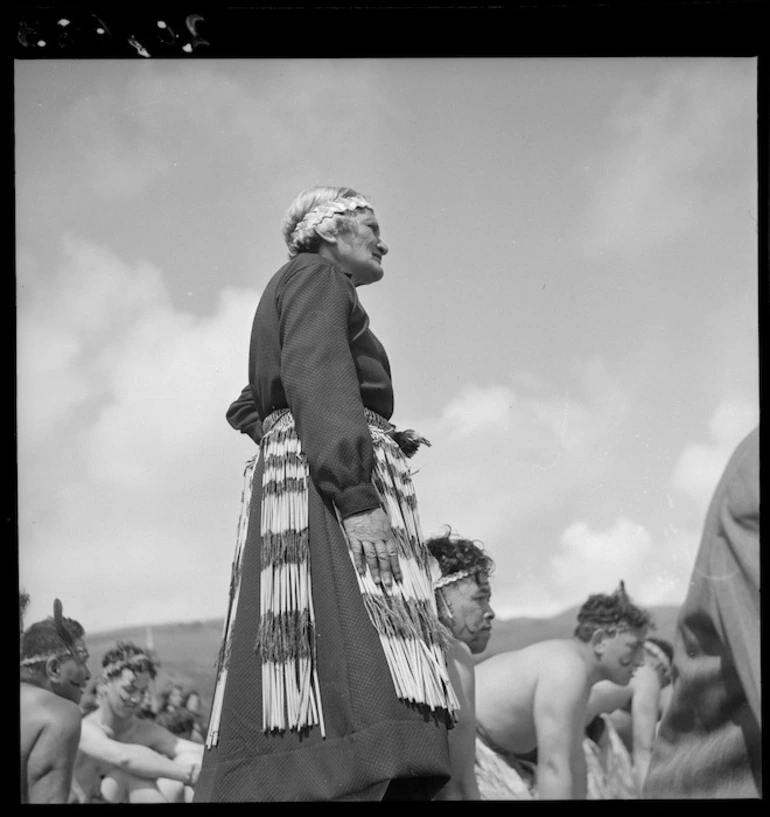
x=383, y=562
x=391, y=550
x=373, y=544
x=370, y=552
x=357, y=549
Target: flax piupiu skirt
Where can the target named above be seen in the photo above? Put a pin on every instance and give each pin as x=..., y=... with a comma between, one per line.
x=374, y=741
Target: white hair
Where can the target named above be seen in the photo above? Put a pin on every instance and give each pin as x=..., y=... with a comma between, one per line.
x=313, y=206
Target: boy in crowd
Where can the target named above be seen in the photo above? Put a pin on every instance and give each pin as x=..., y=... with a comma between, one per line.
x=123, y=758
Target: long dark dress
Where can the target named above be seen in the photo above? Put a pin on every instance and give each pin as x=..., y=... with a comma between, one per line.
x=313, y=352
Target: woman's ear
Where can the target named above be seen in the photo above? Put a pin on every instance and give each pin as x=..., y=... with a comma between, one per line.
x=326, y=233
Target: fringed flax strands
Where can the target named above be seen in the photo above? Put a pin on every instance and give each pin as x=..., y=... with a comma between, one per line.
x=286, y=639
x=212, y=737
x=405, y=617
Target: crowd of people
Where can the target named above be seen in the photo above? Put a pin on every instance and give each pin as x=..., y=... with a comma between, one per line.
x=349, y=664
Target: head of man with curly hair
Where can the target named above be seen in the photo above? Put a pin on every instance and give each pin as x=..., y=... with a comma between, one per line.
x=616, y=630
x=126, y=673
x=462, y=590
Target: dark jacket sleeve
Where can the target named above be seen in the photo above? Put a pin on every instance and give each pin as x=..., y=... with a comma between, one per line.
x=320, y=380
x=242, y=416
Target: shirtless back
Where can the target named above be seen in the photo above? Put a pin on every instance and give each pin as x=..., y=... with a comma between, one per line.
x=50, y=731
x=512, y=687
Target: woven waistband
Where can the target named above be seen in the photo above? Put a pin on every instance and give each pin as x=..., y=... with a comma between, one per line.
x=283, y=418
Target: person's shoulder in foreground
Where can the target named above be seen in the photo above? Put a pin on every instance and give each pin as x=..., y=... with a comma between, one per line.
x=709, y=741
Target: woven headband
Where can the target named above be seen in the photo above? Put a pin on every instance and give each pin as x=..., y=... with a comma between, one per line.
x=451, y=578
x=36, y=659
x=321, y=212
x=116, y=666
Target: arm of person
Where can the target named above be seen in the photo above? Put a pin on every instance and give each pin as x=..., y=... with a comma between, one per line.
x=606, y=696
x=645, y=709
x=135, y=758
x=321, y=382
x=665, y=699
x=462, y=737
x=243, y=416
x=172, y=746
x=559, y=715
x=50, y=764
x=579, y=769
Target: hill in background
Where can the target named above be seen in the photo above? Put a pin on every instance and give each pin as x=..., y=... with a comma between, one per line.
x=187, y=652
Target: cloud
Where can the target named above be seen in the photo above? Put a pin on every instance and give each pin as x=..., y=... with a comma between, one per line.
x=511, y=463
x=663, y=172
x=478, y=409
x=129, y=486
x=70, y=324
x=700, y=465
x=591, y=561
x=567, y=491
x=656, y=571
x=132, y=127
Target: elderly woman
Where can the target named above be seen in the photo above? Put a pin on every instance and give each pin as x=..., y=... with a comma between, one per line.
x=332, y=680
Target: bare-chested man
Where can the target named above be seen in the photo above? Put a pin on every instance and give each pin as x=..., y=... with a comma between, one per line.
x=536, y=698
x=462, y=597
x=53, y=673
x=126, y=759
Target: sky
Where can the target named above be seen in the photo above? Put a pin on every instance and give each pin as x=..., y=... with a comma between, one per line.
x=569, y=307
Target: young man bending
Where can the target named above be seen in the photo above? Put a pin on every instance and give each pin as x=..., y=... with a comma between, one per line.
x=536, y=699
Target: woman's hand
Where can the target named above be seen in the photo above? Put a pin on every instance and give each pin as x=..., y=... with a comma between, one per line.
x=372, y=543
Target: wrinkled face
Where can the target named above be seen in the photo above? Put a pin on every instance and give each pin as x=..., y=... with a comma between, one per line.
x=69, y=673
x=359, y=249
x=621, y=655
x=471, y=614
x=125, y=692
